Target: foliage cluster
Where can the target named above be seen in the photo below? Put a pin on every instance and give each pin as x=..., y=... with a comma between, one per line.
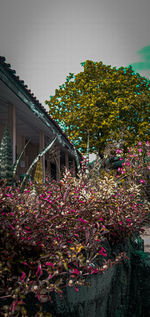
x=136, y=168
x=100, y=101
x=56, y=234
x=133, y=166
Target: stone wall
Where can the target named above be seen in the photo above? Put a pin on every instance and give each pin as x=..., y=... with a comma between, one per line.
x=122, y=291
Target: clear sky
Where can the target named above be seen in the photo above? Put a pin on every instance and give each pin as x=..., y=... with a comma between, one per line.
x=44, y=40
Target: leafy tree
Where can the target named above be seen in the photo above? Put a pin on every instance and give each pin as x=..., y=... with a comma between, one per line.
x=101, y=101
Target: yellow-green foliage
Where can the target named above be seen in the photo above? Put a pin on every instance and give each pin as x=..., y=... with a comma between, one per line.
x=38, y=176
x=102, y=100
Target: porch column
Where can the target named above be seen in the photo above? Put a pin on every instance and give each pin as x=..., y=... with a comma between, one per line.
x=74, y=167
x=12, y=128
x=57, y=163
x=48, y=169
x=23, y=165
x=41, y=147
x=66, y=159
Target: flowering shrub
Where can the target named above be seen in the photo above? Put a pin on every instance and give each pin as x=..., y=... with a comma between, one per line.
x=135, y=170
x=54, y=235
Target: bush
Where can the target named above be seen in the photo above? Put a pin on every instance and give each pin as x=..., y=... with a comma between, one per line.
x=54, y=235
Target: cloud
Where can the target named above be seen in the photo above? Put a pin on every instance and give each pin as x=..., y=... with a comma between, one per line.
x=144, y=63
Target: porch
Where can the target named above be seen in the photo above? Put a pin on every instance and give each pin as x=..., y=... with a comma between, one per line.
x=28, y=120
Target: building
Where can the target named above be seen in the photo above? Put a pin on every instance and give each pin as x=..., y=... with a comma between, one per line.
x=28, y=119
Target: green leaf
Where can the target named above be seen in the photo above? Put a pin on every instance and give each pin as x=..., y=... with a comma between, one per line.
x=18, y=160
x=36, y=160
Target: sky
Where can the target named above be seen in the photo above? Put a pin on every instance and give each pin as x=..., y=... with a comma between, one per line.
x=45, y=40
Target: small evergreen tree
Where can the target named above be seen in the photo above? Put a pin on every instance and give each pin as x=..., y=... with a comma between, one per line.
x=6, y=158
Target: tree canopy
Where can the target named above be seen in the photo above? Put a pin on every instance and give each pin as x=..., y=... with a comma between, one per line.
x=102, y=101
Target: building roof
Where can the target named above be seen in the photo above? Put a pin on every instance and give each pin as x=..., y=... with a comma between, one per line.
x=18, y=86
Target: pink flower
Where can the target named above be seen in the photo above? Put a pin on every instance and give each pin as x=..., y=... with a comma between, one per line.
x=94, y=271
x=140, y=143
x=120, y=223
x=76, y=235
x=65, y=195
x=25, y=263
x=102, y=251
x=75, y=271
x=82, y=220
x=148, y=167
x=23, y=276
x=142, y=181
x=118, y=151
x=13, y=305
x=39, y=270
x=49, y=264
x=9, y=195
x=49, y=201
x=28, y=228
x=69, y=242
x=140, y=150
x=76, y=289
x=49, y=277
x=101, y=219
x=11, y=227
